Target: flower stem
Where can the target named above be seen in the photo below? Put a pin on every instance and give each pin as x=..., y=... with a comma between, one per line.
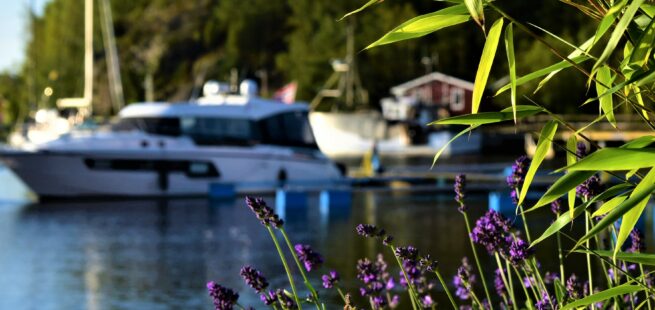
x=412, y=295
x=343, y=297
x=286, y=266
x=302, y=272
x=445, y=288
x=477, y=260
x=589, y=271
x=525, y=290
x=561, y=258
x=510, y=289
x=525, y=223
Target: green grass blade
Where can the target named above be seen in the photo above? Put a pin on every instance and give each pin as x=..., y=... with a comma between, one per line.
x=489, y=117
x=363, y=7
x=443, y=148
x=644, y=46
x=604, y=295
x=486, y=60
x=632, y=216
x=637, y=258
x=620, y=28
x=618, y=211
x=603, y=79
x=571, y=146
x=544, y=144
x=562, y=186
x=563, y=220
x=612, y=159
x=509, y=48
x=476, y=9
x=544, y=71
x=608, y=206
x=425, y=24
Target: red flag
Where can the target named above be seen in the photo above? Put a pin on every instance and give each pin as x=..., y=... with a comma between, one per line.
x=287, y=93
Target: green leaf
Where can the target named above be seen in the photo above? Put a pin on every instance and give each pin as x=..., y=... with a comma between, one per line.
x=367, y=4
x=603, y=81
x=560, y=292
x=604, y=295
x=620, y=28
x=544, y=144
x=563, y=220
x=637, y=258
x=608, y=206
x=639, y=143
x=611, y=159
x=564, y=184
x=632, y=216
x=509, y=48
x=644, y=46
x=571, y=147
x=607, y=21
x=476, y=9
x=618, y=211
x=443, y=148
x=576, y=53
x=489, y=117
x=486, y=60
x=544, y=71
x=425, y=24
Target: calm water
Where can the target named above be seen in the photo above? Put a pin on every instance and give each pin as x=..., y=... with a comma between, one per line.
x=160, y=254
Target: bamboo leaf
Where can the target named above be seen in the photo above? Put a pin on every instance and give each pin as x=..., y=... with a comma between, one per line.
x=509, y=48
x=608, y=206
x=612, y=159
x=603, y=79
x=564, y=184
x=563, y=220
x=476, y=9
x=443, y=148
x=544, y=144
x=571, y=158
x=637, y=258
x=486, y=60
x=607, y=21
x=618, y=211
x=620, y=28
x=644, y=46
x=632, y=216
x=576, y=53
x=639, y=143
x=424, y=24
x=604, y=295
x=367, y=4
x=489, y=117
x=544, y=71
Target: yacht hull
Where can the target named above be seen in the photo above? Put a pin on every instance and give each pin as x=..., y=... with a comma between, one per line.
x=160, y=174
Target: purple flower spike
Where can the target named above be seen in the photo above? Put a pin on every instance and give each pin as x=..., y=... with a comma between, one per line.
x=581, y=150
x=308, y=257
x=499, y=285
x=589, y=188
x=556, y=206
x=574, y=288
x=464, y=280
x=223, y=297
x=545, y=303
x=491, y=231
x=367, y=230
x=330, y=279
x=637, y=241
x=406, y=253
x=264, y=213
x=254, y=278
x=460, y=184
x=269, y=298
x=519, y=251
x=519, y=169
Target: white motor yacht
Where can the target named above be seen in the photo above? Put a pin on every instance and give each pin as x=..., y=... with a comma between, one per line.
x=179, y=149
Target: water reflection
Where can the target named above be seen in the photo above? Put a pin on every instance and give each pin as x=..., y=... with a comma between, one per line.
x=158, y=254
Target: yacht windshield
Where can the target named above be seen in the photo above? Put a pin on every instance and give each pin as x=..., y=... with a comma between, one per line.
x=286, y=129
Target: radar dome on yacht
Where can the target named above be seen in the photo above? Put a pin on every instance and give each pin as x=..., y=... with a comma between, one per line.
x=248, y=88
x=214, y=88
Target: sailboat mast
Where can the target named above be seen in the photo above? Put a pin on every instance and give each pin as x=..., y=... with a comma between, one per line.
x=88, y=54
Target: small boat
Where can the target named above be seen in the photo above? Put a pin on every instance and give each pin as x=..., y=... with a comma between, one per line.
x=179, y=149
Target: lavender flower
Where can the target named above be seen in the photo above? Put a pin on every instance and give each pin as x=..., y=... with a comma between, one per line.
x=223, y=297
x=460, y=184
x=589, y=188
x=499, y=285
x=636, y=241
x=406, y=253
x=254, y=278
x=464, y=280
x=286, y=301
x=491, y=231
x=330, y=279
x=269, y=298
x=574, y=288
x=581, y=150
x=519, y=169
x=428, y=264
x=308, y=257
x=556, y=206
x=387, y=240
x=379, y=302
x=551, y=277
x=376, y=281
x=545, y=302
x=519, y=251
x=264, y=213
x=371, y=231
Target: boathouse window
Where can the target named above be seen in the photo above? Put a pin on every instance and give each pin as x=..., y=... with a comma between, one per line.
x=457, y=100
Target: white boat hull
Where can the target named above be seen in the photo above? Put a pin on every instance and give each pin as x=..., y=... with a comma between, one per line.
x=67, y=174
